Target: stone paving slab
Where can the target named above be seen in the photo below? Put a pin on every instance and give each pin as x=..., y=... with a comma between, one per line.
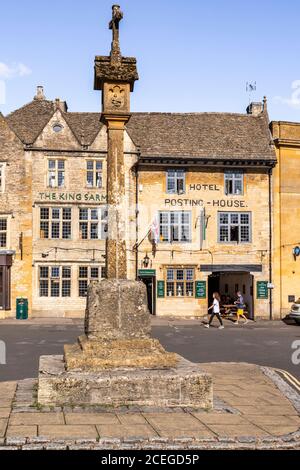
x=5, y=412
x=280, y=430
x=66, y=431
x=267, y=420
x=91, y=418
x=267, y=410
x=21, y=431
x=164, y=420
x=28, y=419
x=175, y=433
x=237, y=430
x=3, y=426
x=142, y=431
x=221, y=418
x=131, y=419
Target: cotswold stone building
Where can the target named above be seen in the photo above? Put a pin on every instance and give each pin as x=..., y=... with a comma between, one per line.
x=286, y=215
x=196, y=194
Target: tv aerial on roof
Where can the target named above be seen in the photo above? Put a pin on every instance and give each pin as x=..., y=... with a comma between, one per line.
x=250, y=89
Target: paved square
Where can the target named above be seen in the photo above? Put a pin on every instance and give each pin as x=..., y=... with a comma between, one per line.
x=264, y=416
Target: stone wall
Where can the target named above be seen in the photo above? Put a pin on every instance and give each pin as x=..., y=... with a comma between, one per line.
x=286, y=195
x=15, y=205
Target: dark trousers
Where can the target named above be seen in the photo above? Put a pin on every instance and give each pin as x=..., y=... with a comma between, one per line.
x=218, y=317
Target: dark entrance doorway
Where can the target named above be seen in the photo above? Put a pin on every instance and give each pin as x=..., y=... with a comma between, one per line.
x=228, y=283
x=5, y=266
x=213, y=286
x=149, y=279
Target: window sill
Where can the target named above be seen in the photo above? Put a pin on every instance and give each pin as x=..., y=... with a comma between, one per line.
x=181, y=298
x=234, y=243
x=175, y=243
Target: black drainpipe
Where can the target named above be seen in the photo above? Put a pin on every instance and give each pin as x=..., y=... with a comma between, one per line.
x=270, y=242
x=137, y=219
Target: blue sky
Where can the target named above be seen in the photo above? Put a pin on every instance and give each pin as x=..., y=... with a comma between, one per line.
x=192, y=55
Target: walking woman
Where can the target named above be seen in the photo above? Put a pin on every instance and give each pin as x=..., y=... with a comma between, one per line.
x=215, y=307
x=240, y=308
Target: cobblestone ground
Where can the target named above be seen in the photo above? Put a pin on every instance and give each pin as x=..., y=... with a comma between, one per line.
x=250, y=412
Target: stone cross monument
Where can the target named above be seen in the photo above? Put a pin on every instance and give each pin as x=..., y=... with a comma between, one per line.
x=115, y=76
x=116, y=362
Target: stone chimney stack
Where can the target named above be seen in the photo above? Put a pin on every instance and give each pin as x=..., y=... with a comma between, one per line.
x=255, y=108
x=40, y=93
x=62, y=105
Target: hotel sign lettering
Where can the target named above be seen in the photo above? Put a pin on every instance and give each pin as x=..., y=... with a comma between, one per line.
x=236, y=203
x=72, y=197
x=204, y=187
x=213, y=188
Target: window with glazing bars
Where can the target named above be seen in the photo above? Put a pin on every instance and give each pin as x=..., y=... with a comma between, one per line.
x=180, y=282
x=175, y=226
x=3, y=233
x=94, y=173
x=88, y=274
x=56, y=223
x=234, y=183
x=93, y=223
x=234, y=227
x=55, y=281
x=175, y=181
x=56, y=173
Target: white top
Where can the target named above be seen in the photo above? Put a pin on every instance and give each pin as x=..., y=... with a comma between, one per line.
x=216, y=306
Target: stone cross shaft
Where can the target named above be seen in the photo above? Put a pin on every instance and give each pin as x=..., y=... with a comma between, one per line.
x=117, y=16
x=115, y=76
x=116, y=264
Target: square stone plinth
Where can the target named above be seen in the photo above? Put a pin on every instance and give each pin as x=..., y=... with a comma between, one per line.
x=183, y=385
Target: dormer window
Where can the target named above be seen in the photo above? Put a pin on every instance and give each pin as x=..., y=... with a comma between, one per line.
x=176, y=181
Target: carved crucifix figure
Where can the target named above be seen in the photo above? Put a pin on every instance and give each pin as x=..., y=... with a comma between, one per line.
x=117, y=16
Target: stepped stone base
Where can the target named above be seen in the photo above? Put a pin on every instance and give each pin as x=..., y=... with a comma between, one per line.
x=183, y=385
x=95, y=355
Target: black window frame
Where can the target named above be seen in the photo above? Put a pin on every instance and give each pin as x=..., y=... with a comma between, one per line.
x=234, y=227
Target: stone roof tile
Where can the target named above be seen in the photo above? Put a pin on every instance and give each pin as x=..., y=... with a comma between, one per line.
x=29, y=121
x=212, y=135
